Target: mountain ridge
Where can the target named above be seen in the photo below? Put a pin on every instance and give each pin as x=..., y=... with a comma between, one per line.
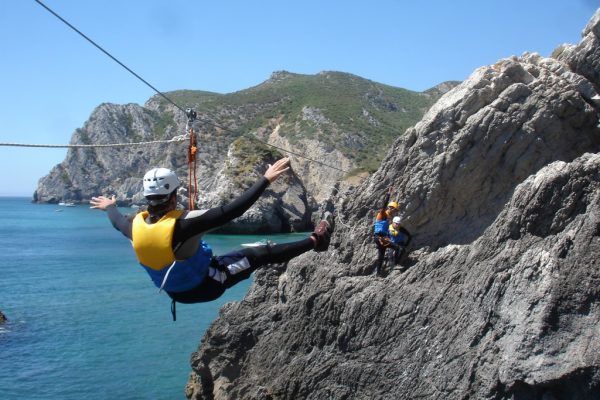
x=337, y=118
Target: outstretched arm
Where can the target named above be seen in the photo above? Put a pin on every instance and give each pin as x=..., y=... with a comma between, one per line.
x=118, y=220
x=382, y=214
x=219, y=216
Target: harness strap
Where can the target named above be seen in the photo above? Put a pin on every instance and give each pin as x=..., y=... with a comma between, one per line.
x=173, y=310
x=162, y=285
x=216, y=272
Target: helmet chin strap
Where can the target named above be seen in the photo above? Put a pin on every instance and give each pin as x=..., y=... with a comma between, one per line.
x=166, y=206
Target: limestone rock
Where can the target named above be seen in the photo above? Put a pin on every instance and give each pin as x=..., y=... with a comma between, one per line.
x=500, y=295
x=284, y=207
x=119, y=171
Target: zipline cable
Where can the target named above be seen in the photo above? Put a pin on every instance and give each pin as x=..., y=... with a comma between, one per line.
x=175, y=139
x=108, y=54
x=250, y=136
x=88, y=146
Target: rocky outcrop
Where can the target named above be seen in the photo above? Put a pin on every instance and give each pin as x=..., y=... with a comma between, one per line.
x=464, y=159
x=284, y=207
x=320, y=178
x=3, y=318
x=499, y=297
x=91, y=171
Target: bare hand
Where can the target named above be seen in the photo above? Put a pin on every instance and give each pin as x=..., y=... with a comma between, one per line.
x=102, y=202
x=275, y=170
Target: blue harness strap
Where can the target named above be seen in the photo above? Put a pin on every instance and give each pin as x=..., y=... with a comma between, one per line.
x=183, y=275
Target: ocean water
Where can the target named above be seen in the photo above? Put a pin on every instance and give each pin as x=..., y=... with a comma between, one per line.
x=85, y=321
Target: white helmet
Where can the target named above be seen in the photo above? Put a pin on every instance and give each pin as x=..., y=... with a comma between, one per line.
x=160, y=182
x=396, y=220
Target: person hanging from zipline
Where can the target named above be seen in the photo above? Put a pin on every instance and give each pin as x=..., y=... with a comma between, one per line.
x=167, y=241
x=381, y=228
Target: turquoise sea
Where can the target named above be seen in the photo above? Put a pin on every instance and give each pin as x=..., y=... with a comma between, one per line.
x=85, y=321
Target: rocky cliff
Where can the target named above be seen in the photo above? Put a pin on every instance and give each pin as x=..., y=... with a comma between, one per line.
x=499, y=297
x=338, y=119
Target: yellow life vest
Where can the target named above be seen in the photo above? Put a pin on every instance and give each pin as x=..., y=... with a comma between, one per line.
x=153, y=242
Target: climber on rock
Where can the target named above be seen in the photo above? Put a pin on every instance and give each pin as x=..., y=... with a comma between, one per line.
x=168, y=245
x=399, y=238
x=381, y=229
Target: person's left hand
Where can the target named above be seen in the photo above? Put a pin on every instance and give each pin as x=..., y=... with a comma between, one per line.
x=102, y=202
x=275, y=170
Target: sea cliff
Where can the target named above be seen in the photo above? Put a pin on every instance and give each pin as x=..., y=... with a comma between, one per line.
x=499, y=297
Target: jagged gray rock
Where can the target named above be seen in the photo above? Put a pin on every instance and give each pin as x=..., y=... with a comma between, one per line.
x=500, y=296
x=479, y=141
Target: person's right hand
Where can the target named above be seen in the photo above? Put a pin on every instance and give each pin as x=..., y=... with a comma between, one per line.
x=275, y=170
x=384, y=241
x=102, y=202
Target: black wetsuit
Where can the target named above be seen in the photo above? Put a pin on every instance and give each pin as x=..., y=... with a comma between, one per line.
x=399, y=245
x=188, y=227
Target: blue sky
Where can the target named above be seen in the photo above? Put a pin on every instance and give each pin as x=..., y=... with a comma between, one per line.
x=52, y=79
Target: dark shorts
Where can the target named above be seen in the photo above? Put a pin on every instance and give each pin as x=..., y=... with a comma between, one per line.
x=236, y=266
x=210, y=289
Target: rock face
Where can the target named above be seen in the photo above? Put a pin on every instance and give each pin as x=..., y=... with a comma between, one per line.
x=499, y=297
x=288, y=111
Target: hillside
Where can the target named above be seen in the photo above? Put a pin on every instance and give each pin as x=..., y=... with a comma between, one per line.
x=336, y=118
x=356, y=116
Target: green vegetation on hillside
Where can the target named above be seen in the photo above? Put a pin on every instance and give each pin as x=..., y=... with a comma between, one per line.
x=161, y=122
x=250, y=154
x=358, y=117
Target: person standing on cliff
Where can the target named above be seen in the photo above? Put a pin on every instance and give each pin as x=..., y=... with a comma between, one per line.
x=381, y=229
x=400, y=238
x=168, y=245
